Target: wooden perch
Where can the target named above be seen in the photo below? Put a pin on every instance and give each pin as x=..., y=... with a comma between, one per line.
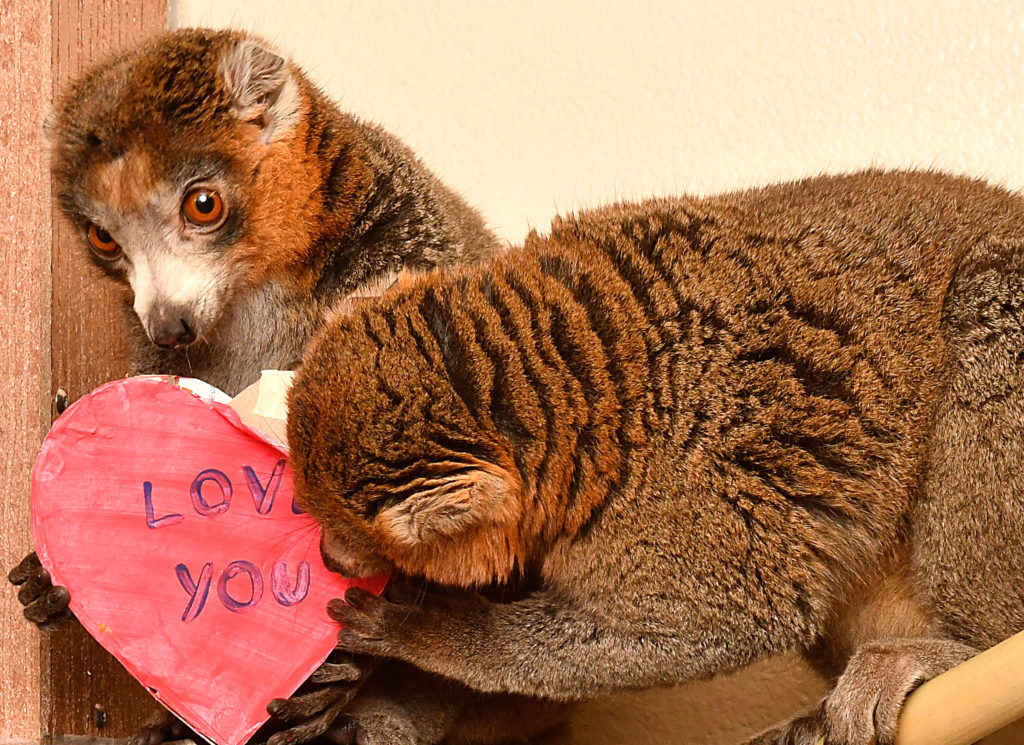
x=973, y=700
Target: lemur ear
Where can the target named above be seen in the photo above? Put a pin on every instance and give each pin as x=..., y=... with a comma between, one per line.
x=263, y=86
x=450, y=506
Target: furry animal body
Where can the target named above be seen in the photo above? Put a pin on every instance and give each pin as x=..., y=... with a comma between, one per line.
x=239, y=203
x=711, y=429
x=212, y=178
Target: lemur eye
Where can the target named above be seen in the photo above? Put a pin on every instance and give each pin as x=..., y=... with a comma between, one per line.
x=100, y=240
x=203, y=207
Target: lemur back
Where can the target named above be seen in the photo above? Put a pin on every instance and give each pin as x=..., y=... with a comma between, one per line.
x=638, y=347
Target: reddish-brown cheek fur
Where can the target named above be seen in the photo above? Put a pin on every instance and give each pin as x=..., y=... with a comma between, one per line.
x=487, y=552
x=284, y=201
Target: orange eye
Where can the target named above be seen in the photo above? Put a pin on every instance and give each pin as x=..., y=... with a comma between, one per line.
x=101, y=241
x=203, y=207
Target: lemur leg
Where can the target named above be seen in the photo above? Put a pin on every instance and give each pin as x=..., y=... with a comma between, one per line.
x=402, y=705
x=537, y=646
x=864, y=706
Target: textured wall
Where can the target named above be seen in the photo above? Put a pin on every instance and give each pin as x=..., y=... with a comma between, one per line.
x=536, y=107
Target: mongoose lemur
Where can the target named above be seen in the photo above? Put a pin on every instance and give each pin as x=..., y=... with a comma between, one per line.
x=713, y=429
x=237, y=204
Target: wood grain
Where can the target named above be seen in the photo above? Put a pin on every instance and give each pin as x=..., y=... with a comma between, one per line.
x=86, y=349
x=24, y=343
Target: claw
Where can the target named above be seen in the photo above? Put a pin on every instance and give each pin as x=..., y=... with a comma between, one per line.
x=330, y=672
x=48, y=607
x=20, y=574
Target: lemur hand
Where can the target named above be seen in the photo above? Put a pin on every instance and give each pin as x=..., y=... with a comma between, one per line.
x=320, y=700
x=163, y=727
x=45, y=605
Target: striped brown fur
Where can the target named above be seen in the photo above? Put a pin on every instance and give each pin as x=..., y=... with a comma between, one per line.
x=702, y=423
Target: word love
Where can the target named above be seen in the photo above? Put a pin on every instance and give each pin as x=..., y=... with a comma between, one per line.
x=263, y=495
x=213, y=502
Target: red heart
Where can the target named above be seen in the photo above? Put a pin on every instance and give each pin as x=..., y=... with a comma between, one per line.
x=172, y=524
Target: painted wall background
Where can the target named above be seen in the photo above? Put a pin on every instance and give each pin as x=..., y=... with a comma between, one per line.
x=536, y=107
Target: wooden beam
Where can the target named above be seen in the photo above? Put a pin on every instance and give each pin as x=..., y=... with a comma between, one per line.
x=84, y=690
x=25, y=79
x=60, y=329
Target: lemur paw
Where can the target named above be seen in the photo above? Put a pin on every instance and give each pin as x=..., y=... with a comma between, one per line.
x=401, y=706
x=409, y=622
x=163, y=727
x=379, y=722
x=317, y=705
x=367, y=622
x=864, y=706
x=45, y=605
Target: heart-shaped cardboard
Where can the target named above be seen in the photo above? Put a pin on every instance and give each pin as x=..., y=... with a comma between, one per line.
x=174, y=528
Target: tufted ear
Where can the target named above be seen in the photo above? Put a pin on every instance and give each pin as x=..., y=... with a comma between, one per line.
x=449, y=506
x=263, y=86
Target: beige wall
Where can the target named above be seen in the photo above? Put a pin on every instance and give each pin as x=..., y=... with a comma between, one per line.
x=534, y=107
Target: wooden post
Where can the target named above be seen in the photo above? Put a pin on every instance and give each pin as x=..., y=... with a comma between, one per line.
x=25, y=340
x=61, y=329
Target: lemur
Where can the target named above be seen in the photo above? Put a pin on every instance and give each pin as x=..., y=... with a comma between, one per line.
x=237, y=204
x=714, y=429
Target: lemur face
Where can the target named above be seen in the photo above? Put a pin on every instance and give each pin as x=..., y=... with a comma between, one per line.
x=181, y=166
x=169, y=236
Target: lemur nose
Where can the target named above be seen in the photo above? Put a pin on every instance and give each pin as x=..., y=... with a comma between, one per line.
x=171, y=332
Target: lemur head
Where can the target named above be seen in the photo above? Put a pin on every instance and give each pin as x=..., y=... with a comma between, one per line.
x=387, y=457
x=185, y=165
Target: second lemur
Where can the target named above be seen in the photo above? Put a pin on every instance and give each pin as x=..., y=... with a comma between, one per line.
x=237, y=204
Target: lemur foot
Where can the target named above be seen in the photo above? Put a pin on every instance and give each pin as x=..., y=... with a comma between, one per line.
x=315, y=707
x=400, y=706
x=864, y=706
x=163, y=727
x=45, y=605
x=378, y=721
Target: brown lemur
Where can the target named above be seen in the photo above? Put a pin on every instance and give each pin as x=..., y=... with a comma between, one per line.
x=236, y=202
x=715, y=429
